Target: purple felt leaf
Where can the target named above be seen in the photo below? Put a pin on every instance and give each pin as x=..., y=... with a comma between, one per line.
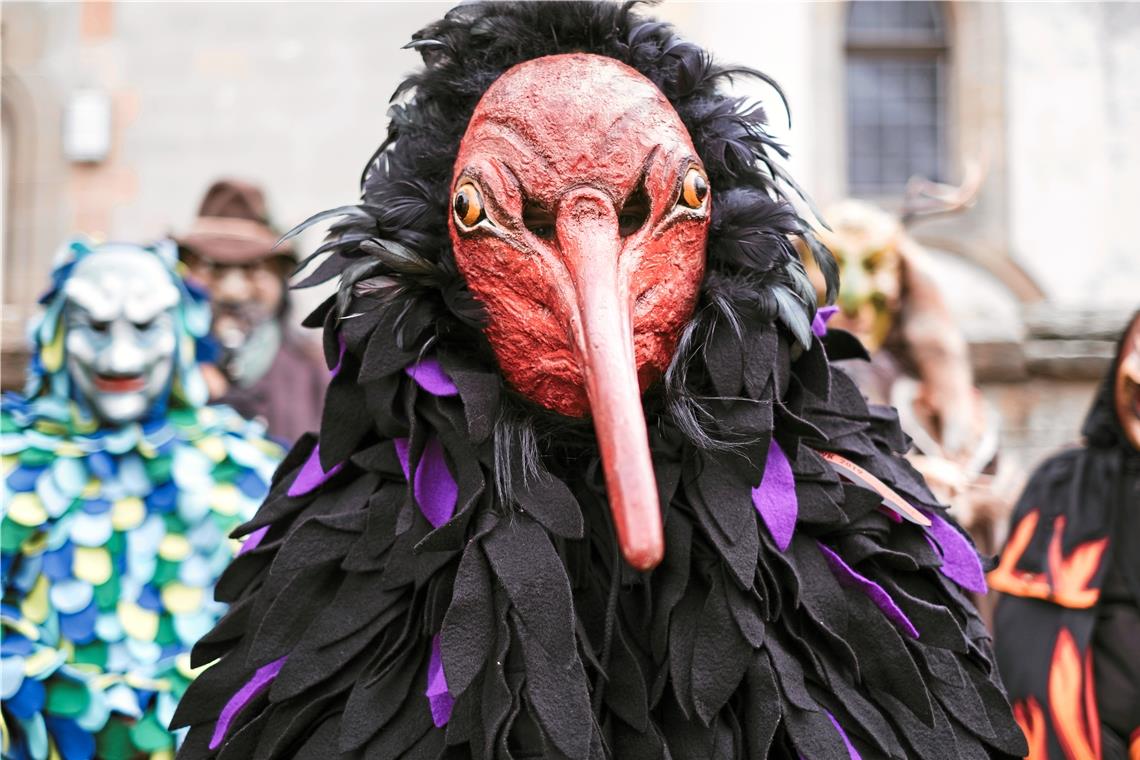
x=252, y=541
x=852, y=753
x=775, y=497
x=258, y=683
x=430, y=376
x=312, y=474
x=819, y=321
x=435, y=490
x=847, y=576
x=439, y=698
x=960, y=561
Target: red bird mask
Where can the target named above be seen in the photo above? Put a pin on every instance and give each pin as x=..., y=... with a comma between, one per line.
x=580, y=211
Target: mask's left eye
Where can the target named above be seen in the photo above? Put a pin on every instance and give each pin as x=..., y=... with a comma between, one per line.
x=694, y=189
x=468, y=205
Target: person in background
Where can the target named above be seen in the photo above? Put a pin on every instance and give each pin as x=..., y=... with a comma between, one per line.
x=1068, y=622
x=919, y=363
x=264, y=368
x=119, y=489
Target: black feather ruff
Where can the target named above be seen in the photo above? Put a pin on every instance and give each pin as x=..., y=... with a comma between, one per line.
x=349, y=595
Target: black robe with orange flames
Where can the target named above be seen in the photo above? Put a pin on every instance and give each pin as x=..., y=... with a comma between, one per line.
x=1068, y=621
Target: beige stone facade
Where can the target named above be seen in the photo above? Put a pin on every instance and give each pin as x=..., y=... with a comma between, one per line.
x=294, y=95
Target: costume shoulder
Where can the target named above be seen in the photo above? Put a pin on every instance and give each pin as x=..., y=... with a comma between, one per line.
x=111, y=543
x=810, y=601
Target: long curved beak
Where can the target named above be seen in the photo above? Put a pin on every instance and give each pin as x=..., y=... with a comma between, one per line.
x=588, y=237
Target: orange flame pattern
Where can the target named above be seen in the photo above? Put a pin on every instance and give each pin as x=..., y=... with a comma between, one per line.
x=1031, y=718
x=1067, y=579
x=1072, y=700
x=1072, y=708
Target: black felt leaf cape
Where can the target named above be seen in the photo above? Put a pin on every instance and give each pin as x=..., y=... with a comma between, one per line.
x=435, y=574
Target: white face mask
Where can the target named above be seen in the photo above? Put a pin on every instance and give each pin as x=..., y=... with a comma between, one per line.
x=120, y=332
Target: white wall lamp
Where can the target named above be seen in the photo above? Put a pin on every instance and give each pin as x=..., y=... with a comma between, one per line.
x=87, y=126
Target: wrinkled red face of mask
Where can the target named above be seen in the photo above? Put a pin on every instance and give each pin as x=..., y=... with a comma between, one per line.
x=579, y=217
x=571, y=179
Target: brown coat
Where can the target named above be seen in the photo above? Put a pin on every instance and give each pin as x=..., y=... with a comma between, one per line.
x=289, y=397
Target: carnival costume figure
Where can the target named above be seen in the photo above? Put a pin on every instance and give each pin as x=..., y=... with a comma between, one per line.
x=1068, y=621
x=586, y=485
x=263, y=367
x=120, y=489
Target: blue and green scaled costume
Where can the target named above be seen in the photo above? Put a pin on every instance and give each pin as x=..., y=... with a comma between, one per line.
x=112, y=539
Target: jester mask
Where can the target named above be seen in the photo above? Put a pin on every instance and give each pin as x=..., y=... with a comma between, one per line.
x=117, y=335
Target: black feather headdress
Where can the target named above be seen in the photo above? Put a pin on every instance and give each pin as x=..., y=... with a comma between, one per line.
x=435, y=574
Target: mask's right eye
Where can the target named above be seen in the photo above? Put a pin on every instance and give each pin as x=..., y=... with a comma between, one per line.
x=468, y=205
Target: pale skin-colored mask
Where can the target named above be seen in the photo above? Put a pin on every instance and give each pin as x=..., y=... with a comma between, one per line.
x=866, y=243
x=1127, y=386
x=120, y=335
x=243, y=296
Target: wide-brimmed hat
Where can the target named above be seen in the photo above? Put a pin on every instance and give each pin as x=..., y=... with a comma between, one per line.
x=233, y=226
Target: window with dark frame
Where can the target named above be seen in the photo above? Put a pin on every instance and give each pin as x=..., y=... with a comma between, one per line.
x=896, y=52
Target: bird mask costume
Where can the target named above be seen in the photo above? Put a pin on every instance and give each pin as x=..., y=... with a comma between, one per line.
x=586, y=485
x=119, y=489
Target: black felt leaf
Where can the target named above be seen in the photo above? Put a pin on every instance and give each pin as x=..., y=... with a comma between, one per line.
x=383, y=356
x=241, y=744
x=321, y=539
x=372, y=704
x=411, y=722
x=745, y=606
x=813, y=371
x=480, y=393
x=926, y=740
x=762, y=706
x=626, y=692
x=340, y=635
x=556, y=689
x=682, y=639
x=671, y=578
x=823, y=601
x=524, y=561
x=761, y=348
x=629, y=743
x=497, y=701
x=548, y=500
x=813, y=734
x=322, y=315
x=720, y=655
x=469, y=627
x=790, y=674
x=725, y=362
x=843, y=345
x=723, y=503
x=286, y=618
